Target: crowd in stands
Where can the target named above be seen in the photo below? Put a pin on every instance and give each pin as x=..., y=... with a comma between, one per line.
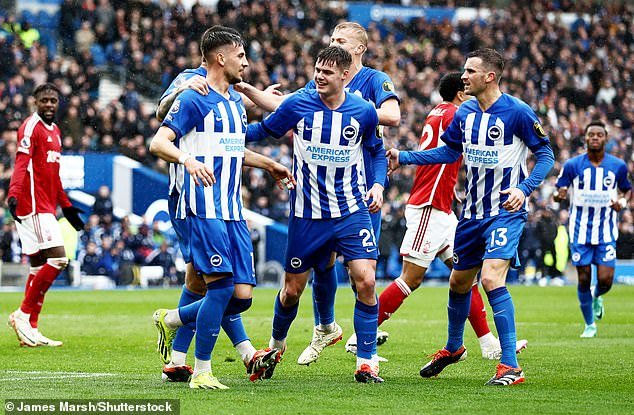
x=569, y=72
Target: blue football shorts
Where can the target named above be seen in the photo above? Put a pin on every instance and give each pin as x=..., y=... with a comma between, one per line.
x=586, y=254
x=221, y=247
x=496, y=237
x=310, y=241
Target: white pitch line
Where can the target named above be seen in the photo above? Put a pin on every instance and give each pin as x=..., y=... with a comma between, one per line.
x=50, y=375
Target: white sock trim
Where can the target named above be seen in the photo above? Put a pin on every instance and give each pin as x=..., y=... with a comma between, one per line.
x=402, y=285
x=246, y=350
x=173, y=319
x=178, y=359
x=201, y=366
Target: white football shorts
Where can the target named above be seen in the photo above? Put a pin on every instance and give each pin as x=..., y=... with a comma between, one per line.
x=38, y=232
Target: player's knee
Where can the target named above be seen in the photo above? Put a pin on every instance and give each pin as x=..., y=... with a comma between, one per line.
x=195, y=284
x=238, y=305
x=365, y=287
x=412, y=281
x=290, y=294
x=59, y=263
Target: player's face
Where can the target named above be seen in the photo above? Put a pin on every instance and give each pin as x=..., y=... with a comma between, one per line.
x=46, y=103
x=346, y=39
x=329, y=78
x=235, y=63
x=596, y=138
x=475, y=76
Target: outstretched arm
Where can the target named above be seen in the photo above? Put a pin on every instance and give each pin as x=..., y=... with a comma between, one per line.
x=268, y=100
x=279, y=172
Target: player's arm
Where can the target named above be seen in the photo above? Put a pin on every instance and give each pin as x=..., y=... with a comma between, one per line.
x=534, y=136
x=376, y=151
x=564, y=180
x=22, y=160
x=197, y=82
x=624, y=186
x=277, y=123
x=389, y=113
x=268, y=100
x=280, y=173
x=162, y=146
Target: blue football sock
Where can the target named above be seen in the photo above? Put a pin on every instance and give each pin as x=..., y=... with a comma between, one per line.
x=232, y=325
x=324, y=290
x=185, y=334
x=210, y=315
x=282, y=319
x=457, y=312
x=504, y=317
x=585, y=303
x=366, y=320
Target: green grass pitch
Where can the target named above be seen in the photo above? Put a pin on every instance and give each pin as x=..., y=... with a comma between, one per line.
x=110, y=341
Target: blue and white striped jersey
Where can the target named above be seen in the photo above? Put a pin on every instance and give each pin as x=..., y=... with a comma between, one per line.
x=212, y=129
x=327, y=147
x=495, y=144
x=592, y=190
x=374, y=86
x=178, y=81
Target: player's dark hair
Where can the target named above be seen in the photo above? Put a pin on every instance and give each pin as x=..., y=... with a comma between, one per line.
x=217, y=28
x=335, y=55
x=449, y=86
x=214, y=39
x=46, y=87
x=491, y=58
x=596, y=123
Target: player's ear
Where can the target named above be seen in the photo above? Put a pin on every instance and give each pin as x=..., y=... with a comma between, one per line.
x=220, y=59
x=344, y=74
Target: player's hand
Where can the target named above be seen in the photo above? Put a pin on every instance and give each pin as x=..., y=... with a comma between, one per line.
x=457, y=196
x=560, y=194
x=12, y=203
x=200, y=172
x=72, y=214
x=392, y=160
x=283, y=176
x=376, y=195
x=198, y=83
x=618, y=204
x=515, y=201
x=272, y=89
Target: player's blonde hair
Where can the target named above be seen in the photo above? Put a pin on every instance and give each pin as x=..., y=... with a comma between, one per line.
x=357, y=29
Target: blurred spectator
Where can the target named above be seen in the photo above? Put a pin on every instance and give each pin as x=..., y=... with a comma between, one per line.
x=103, y=203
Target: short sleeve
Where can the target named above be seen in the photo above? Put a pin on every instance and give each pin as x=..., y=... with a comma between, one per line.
x=453, y=135
x=566, y=175
x=183, y=114
x=285, y=117
x=621, y=178
x=383, y=89
x=529, y=128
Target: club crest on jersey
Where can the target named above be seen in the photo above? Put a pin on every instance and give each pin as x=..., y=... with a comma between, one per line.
x=494, y=133
x=215, y=260
x=576, y=256
x=539, y=130
x=176, y=106
x=25, y=142
x=350, y=133
x=388, y=86
x=456, y=259
x=296, y=262
x=244, y=119
x=608, y=181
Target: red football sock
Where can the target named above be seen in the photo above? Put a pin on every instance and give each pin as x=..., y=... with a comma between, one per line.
x=37, y=308
x=391, y=298
x=478, y=314
x=38, y=287
x=34, y=316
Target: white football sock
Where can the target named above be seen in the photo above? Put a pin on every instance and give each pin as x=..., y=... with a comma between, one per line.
x=178, y=359
x=201, y=366
x=246, y=350
x=173, y=319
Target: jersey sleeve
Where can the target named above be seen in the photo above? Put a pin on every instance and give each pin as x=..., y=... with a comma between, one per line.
x=277, y=123
x=566, y=175
x=178, y=81
x=621, y=178
x=453, y=134
x=530, y=129
x=22, y=159
x=183, y=114
x=310, y=84
x=383, y=89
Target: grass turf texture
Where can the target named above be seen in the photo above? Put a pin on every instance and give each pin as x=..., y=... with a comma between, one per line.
x=111, y=332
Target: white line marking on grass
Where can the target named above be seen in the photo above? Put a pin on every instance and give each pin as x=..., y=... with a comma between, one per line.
x=38, y=374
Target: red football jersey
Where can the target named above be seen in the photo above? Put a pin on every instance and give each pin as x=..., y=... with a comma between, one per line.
x=35, y=182
x=434, y=184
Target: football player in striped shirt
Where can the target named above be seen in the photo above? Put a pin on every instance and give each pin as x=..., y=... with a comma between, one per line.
x=431, y=224
x=194, y=289
x=594, y=179
x=206, y=134
x=493, y=133
x=376, y=87
x=329, y=211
